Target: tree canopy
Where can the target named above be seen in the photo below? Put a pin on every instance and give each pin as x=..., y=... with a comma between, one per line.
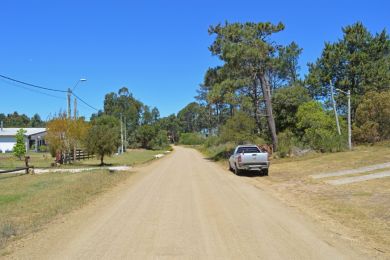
x=359, y=62
x=103, y=136
x=21, y=120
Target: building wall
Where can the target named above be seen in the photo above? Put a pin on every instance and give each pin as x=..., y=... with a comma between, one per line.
x=7, y=143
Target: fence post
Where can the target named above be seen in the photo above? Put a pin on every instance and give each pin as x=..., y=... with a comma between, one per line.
x=26, y=159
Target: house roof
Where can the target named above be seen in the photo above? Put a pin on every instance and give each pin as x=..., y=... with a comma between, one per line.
x=13, y=131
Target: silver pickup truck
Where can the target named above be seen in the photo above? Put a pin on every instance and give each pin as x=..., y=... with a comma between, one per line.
x=249, y=158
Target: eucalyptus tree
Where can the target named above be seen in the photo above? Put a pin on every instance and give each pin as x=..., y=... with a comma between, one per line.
x=191, y=118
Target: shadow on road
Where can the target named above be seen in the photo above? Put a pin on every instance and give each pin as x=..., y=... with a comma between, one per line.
x=250, y=174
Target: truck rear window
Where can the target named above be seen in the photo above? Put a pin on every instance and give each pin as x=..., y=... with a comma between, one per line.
x=248, y=150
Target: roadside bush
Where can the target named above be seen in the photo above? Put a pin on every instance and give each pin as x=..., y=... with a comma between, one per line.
x=287, y=141
x=372, y=119
x=239, y=129
x=319, y=128
x=368, y=132
x=43, y=148
x=211, y=141
x=150, y=137
x=52, y=151
x=191, y=139
x=160, y=141
x=145, y=134
x=220, y=152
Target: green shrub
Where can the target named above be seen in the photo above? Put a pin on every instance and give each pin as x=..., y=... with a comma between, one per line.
x=160, y=141
x=258, y=141
x=239, y=129
x=285, y=104
x=372, y=123
x=191, y=139
x=319, y=128
x=286, y=142
x=43, y=148
x=220, y=152
x=211, y=141
x=19, y=148
x=52, y=151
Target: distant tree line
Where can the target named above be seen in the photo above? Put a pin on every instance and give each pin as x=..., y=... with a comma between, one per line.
x=21, y=120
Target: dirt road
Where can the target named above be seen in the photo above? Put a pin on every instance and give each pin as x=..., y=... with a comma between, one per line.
x=184, y=206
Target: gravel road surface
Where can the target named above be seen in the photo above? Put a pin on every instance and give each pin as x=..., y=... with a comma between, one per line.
x=186, y=207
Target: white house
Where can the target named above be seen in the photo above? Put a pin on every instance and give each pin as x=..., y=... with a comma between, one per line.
x=33, y=136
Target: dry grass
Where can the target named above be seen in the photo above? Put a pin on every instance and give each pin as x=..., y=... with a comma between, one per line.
x=27, y=202
x=358, y=211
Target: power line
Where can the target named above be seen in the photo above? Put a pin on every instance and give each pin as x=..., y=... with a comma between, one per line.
x=40, y=87
x=32, y=85
x=32, y=90
x=84, y=102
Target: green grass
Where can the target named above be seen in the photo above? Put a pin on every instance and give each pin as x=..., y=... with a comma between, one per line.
x=9, y=161
x=44, y=160
x=27, y=202
x=131, y=157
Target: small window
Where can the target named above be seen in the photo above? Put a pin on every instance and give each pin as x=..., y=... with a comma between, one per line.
x=248, y=150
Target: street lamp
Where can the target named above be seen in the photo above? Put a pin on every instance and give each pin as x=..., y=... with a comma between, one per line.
x=80, y=80
x=348, y=93
x=75, y=100
x=70, y=91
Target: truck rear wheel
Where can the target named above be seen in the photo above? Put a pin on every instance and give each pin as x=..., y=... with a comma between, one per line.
x=230, y=167
x=264, y=172
x=237, y=171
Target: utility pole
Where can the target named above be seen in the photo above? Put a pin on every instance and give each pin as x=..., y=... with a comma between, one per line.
x=75, y=108
x=69, y=95
x=348, y=93
x=334, y=108
x=349, y=121
x=75, y=118
x=121, y=135
x=125, y=126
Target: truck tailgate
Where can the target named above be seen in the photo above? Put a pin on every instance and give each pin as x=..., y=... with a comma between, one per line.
x=253, y=158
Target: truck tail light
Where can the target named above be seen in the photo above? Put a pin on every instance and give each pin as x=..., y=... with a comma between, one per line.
x=239, y=159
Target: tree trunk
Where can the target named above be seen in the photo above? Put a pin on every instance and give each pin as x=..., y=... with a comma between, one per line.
x=209, y=123
x=101, y=160
x=231, y=110
x=256, y=106
x=268, y=104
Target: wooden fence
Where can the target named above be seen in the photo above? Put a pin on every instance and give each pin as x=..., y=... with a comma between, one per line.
x=69, y=157
x=26, y=168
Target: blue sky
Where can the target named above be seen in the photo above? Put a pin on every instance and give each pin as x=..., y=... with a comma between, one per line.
x=157, y=49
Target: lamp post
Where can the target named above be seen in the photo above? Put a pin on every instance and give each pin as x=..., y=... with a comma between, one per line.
x=75, y=100
x=348, y=93
x=70, y=91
